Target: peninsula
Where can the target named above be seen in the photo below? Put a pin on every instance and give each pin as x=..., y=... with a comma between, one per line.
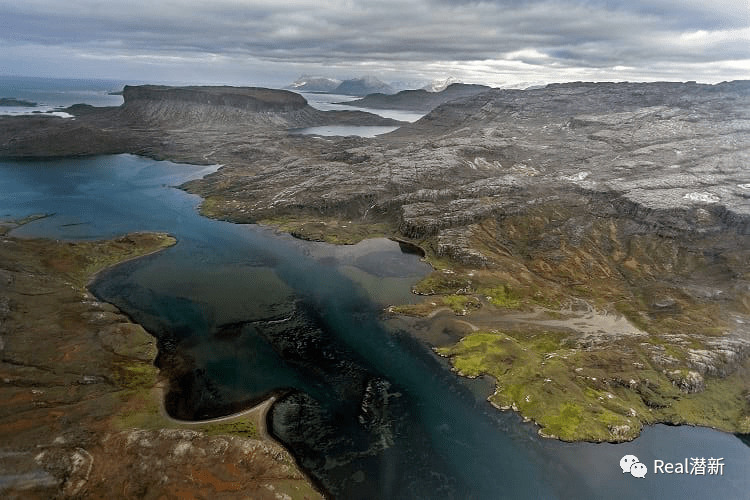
x=80, y=393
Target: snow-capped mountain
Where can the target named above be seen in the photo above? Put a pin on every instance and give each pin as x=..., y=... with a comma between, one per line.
x=440, y=85
x=311, y=83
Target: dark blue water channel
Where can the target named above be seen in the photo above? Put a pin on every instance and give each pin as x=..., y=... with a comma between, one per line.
x=241, y=312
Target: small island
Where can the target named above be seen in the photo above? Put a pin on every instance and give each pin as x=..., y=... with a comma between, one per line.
x=12, y=101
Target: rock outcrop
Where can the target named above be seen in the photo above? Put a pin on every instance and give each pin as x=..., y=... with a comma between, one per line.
x=253, y=99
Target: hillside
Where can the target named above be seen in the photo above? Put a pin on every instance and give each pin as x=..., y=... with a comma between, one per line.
x=605, y=225
x=417, y=100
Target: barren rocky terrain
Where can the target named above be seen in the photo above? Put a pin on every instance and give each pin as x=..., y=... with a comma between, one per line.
x=591, y=241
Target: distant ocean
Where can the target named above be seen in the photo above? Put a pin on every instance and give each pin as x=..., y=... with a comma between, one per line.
x=52, y=94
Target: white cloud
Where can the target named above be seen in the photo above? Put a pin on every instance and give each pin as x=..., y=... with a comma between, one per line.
x=483, y=41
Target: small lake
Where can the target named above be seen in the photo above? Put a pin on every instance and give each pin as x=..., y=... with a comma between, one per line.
x=344, y=130
x=330, y=102
x=241, y=312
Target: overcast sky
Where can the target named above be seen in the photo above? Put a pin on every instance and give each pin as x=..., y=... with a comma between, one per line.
x=497, y=42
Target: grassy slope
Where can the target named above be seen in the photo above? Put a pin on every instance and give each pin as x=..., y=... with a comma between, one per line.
x=600, y=395
x=608, y=390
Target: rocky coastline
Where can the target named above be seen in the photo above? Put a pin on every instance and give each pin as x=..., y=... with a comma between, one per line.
x=542, y=211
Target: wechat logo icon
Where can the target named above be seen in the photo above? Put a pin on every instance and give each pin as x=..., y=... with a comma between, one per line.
x=630, y=463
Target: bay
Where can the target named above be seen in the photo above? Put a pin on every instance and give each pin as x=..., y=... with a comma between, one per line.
x=344, y=130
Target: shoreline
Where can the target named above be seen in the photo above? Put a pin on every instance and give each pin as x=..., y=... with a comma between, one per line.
x=319, y=486
x=517, y=336
x=96, y=275
x=439, y=310
x=445, y=313
x=668, y=264
x=258, y=413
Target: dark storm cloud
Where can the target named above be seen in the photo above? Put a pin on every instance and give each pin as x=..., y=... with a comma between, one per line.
x=539, y=33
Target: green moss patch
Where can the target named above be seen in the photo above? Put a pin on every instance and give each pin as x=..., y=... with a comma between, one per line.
x=327, y=229
x=502, y=296
x=242, y=427
x=214, y=207
x=594, y=395
x=443, y=283
x=459, y=304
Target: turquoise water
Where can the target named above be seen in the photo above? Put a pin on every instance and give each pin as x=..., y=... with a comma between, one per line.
x=241, y=312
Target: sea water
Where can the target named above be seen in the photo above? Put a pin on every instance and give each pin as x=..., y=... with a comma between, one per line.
x=52, y=94
x=331, y=102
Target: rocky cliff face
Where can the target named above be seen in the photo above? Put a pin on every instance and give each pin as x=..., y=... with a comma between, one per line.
x=209, y=107
x=248, y=98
